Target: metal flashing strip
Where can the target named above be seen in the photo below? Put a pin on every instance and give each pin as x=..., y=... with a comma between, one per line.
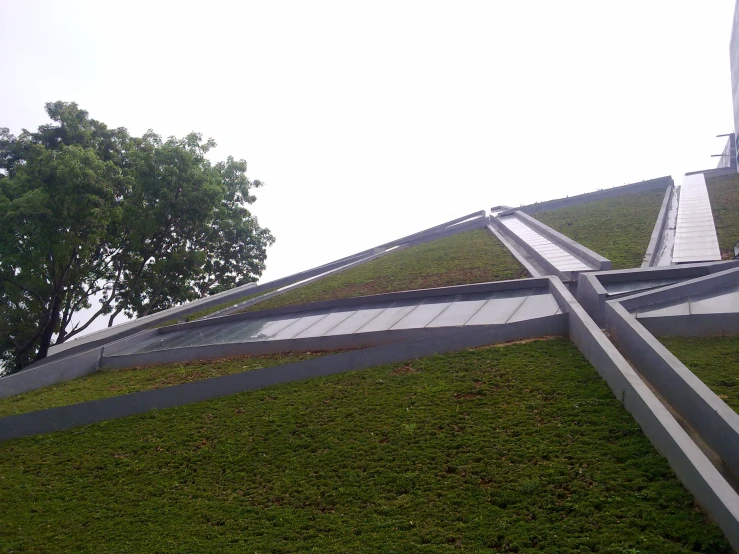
x=695, y=235
x=561, y=259
x=658, y=240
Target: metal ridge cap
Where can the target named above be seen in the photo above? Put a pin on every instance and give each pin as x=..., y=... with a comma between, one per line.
x=656, y=238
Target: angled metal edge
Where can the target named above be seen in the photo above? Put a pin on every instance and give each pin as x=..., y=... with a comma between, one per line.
x=691, y=465
x=541, y=260
x=714, y=421
x=681, y=290
x=592, y=294
x=655, y=241
x=519, y=258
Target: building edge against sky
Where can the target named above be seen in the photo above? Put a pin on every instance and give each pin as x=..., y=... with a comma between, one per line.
x=728, y=157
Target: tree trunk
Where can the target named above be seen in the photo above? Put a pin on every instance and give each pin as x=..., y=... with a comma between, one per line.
x=51, y=323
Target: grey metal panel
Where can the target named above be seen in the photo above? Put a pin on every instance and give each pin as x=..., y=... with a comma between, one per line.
x=716, y=278
x=535, y=306
x=695, y=234
x=497, y=310
x=389, y=317
x=423, y=314
x=722, y=301
x=298, y=327
x=356, y=321
x=246, y=331
x=459, y=312
x=326, y=324
x=636, y=286
x=559, y=258
x=693, y=325
x=661, y=310
x=146, y=345
x=271, y=329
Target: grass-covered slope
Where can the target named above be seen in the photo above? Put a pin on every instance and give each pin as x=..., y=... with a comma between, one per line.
x=714, y=360
x=520, y=448
x=470, y=257
x=724, y=195
x=617, y=228
x=105, y=384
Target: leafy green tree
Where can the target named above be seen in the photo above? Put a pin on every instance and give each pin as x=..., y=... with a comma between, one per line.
x=92, y=216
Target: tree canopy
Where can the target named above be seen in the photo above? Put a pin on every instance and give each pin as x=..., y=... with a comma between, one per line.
x=94, y=217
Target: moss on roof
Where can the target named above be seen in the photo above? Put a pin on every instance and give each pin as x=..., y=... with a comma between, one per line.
x=724, y=195
x=519, y=449
x=470, y=257
x=617, y=228
x=714, y=360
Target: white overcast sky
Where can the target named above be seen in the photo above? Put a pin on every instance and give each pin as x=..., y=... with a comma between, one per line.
x=371, y=120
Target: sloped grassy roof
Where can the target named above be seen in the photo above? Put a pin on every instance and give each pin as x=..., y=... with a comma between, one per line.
x=724, y=194
x=617, y=228
x=470, y=257
x=516, y=448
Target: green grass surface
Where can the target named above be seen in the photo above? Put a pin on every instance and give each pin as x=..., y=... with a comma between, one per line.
x=470, y=257
x=104, y=384
x=714, y=360
x=520, y=448
x=617, y=228
x=724, y=195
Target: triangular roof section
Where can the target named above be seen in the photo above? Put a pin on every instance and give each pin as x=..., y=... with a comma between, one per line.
x=475, y=220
